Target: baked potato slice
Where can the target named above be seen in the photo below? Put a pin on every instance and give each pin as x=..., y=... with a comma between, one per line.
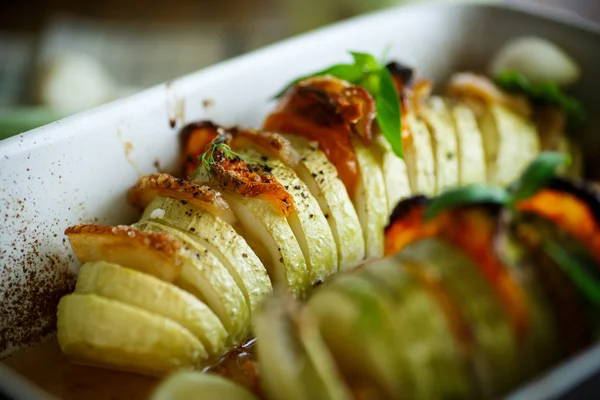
x=221, y=239
x=472, y=166
x=443, y=142
x=418, y=154
x=322, y=179
x=394, y=171
x=510, y=143
x=203, y=275
x=307, y=221
x=370, y=200
x=106, y=333
x=146, y=292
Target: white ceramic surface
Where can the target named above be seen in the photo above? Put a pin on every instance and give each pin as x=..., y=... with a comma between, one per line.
x=79, y=169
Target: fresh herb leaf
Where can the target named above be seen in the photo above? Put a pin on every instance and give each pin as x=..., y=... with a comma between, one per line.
x=387, y=105
x=544, y=94
x=577, y=269
x=377, y=80
x=347, y=72
x=537, y=175
x=219, y=145
x=466, y=195
x=366, y=62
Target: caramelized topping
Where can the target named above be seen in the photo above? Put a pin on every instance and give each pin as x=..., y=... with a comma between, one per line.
x=232, y=172
x=472, y=231
x=149, y=187
x=329, y=111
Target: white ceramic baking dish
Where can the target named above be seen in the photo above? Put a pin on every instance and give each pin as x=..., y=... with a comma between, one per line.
x=79, y=169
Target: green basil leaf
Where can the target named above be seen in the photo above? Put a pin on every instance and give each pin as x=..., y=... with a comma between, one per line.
x=347, y=72
x=466, y=195
x=537, y=175
x=366, y=62
x=577, y=269
x=387, y=105
x=543, y=93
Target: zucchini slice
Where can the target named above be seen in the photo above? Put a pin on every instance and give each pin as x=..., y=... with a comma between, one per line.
x=472, y=167
x=355, y=323
x=370, y=201
x=106, y=333
x=394, y=171
x=306, y=221
x=137, y=289
x=294, y=362
x=434, y=366
x=322, y=179
x=418, y=153
x=268, y=233
x=443, y=142
x=510, y=143
x=220, y=239
x=205, y=277
x=195, y=385
x=496, y=353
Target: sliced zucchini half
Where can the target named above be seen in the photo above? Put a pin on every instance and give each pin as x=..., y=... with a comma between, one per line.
x=510, y=143
x=443, y=142
x=195, y=385
x=306, y=221
x=144, y=291
x=220, y=239
x=355, y=323
x=321, y=177
x=433, y=364
x=472, y=167
x=294, y=363
x=496, y=353
x=205, y=277
x=370, y=200
x=106, y=333
x=418, y=153
x=394, y=171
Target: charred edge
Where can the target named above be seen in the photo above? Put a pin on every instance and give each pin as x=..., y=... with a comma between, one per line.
x=322, y=111
x=586, y=192
x=405, y=207
x=187, y=130
x=401, y=71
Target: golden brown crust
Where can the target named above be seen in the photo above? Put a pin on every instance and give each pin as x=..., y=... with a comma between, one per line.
x=273, y=144
x=160, y=242
x=149, y=187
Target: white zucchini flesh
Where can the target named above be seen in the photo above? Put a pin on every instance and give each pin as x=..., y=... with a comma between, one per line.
x=394, y=171
x=195, y=385
x=370, y=201
x=141, y=290
x=321, y=177
x=356, y=327
x=434, y=366
x=496, y=354
x=220, y=239
x=269, y=234
x=205, y=277
x=106, y=333
x=307, y=221
x=472, y=166
x=510, y=143
x=420, y=161
x=443, y=142
x=289, y=351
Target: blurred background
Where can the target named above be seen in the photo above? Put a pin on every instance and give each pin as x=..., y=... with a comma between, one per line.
x=58, y=57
